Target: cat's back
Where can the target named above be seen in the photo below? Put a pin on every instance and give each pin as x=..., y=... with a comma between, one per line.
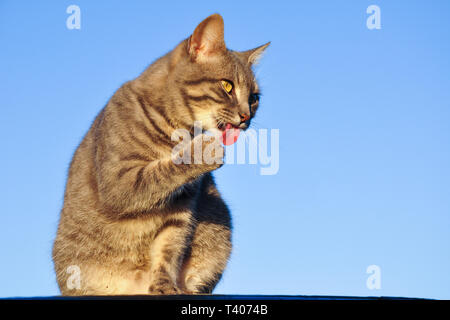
x=81, y=179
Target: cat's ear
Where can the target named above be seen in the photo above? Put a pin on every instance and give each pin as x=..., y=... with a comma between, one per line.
x=252, y=56
x=207, y=39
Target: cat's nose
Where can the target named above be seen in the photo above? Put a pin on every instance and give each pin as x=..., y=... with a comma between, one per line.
x=244, y=117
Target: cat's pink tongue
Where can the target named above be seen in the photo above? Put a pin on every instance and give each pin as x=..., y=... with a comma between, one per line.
x=230, y=135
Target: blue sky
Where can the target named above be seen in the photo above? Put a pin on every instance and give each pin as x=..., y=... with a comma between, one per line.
x=364, y=126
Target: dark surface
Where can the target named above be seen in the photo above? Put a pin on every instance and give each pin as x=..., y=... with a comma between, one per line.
x=213, y=297
x=254, y=307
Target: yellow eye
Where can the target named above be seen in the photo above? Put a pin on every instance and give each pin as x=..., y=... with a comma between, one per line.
x=227, y=86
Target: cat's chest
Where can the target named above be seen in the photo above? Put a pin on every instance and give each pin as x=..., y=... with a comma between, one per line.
x=187, y=193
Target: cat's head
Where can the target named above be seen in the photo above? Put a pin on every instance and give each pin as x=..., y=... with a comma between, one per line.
x=217, y=84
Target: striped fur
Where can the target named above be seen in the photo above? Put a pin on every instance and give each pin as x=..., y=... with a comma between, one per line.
x=133, y=221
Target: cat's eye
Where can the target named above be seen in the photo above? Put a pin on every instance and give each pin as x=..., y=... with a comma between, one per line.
x=227, y=85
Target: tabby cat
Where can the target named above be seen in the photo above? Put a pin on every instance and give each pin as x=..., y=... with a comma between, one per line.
x=135, y=221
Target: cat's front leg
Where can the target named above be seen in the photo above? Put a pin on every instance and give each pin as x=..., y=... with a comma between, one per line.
x=174, y=238
x=211, y=243
x=167, y=251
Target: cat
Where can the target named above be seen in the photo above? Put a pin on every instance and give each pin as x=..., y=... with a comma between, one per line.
x=134, y=221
